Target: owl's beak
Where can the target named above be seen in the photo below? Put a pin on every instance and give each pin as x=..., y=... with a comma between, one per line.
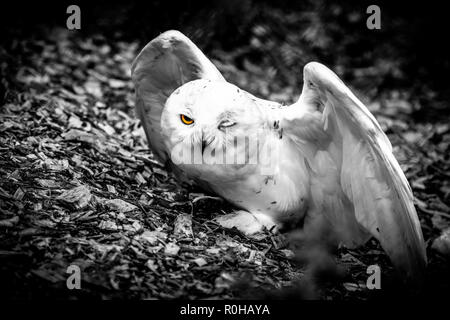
x=204, y=145
x=206, y=141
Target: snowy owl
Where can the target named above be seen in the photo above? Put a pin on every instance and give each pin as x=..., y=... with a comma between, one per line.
x=324, y=158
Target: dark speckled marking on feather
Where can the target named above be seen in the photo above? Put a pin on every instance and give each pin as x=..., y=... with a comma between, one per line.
x=266, y=180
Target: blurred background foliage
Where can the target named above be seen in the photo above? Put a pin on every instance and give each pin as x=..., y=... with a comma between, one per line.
x=408, y=58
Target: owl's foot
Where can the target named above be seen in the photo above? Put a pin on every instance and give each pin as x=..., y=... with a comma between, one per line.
x=248, y=223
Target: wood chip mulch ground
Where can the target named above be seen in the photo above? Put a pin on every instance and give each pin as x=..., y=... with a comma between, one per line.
x=79, y=186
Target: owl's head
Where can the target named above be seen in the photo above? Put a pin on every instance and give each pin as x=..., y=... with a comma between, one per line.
x=210, y=118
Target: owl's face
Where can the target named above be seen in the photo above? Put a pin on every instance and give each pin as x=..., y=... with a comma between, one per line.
x=211, y=122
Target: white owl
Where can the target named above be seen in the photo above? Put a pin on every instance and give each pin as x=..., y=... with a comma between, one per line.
x=324, y=158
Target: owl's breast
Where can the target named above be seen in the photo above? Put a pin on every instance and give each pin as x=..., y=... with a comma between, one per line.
x=278, y=185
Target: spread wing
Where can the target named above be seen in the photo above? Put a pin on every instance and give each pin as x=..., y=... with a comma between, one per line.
x=349, y=154
x=165, y=63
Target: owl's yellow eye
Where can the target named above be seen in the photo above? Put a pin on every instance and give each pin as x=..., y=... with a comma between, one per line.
x=186, y=119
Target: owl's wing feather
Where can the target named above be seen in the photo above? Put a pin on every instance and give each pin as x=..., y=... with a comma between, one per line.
x=367, y=171
x=165, y=63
